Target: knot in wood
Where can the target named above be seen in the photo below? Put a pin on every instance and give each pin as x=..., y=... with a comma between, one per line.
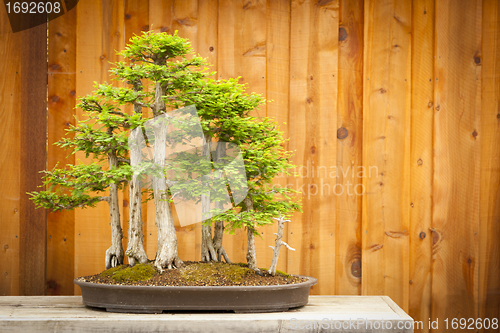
x=342, y=34
x=356, y=268
x=342, y=133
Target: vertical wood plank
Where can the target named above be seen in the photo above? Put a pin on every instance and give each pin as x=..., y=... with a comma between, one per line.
x=99, y=27
x=61, y=101
x=386, y=149
x=185, y=20
x=251, y=58
x=457, y=157
x=10, y=99
x=160, y=20
x=489, y=210
x=92, y=236
x=349, y=150
x=113, y=23
x=278, y=91
x=226, y=68
x=250, y=47
x=160, y=15
x=208, y=22
x=242, y=52
x=313, y=124
x=421, y=159
x=136, y=20
x=33, y=122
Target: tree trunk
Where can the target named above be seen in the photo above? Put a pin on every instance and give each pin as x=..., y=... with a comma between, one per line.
x=251, y=256
x=114, y=255
x=219, y=225
x=277, y=245
x=211, y=248
x=207, y=247
x=135, y=248
x=166, y=253
x=217, y=241
x=276, y=248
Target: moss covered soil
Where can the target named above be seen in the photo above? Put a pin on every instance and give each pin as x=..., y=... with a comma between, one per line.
x=191, y=274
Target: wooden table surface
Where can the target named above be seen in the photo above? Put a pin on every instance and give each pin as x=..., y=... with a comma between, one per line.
x=321, y=314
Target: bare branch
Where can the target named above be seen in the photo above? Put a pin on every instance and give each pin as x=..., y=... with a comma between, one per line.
x=141, y=104
x=170, y=183
x=278, y=243
x=118, y=113
x=288, y=246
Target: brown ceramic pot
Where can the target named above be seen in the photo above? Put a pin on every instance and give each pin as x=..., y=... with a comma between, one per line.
x=156, y=299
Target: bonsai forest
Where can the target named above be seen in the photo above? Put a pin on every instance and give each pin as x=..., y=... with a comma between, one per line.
x=170, y=133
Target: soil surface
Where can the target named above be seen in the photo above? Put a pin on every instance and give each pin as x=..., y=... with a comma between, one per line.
x=191, y=274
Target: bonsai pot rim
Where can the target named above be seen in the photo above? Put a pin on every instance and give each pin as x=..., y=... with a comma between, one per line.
x=155, y=299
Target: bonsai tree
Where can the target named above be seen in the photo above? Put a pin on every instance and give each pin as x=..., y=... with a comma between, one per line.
x=101, y=136
x=161, y=74
x=278, y=243
x=264, y=159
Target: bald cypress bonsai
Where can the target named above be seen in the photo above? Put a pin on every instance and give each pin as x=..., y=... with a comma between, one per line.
x=161, y=74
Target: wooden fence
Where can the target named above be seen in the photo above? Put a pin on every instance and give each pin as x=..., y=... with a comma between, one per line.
x=394, y=123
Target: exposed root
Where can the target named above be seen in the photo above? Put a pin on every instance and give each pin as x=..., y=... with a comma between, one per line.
x=114, y=257
x=171, y=263
x=136, y=255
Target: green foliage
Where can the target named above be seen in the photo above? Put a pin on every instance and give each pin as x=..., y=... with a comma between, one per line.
x=102, y=135
x=158, y=62
x=151, y=46
x=72, y=186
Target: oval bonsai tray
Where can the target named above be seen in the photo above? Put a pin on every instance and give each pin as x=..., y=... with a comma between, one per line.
x=155, y=299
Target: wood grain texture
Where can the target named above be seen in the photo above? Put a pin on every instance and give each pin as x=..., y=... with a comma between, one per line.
x=278, y=93
x=207, y=47
x=253, y=46
x=386, y=149
x=349, y=150
x=10, y=99
x=33, y=127
x=228, y=65
x=136, y=20
x=313, y=124
x=429, y=226
x=61, y=101
x=489, y=210
x=457, y=157
x=99, y=27
x=68, y=314
x=421, y=159
x=185, y=20
x=160, y=15
x=160, y=20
